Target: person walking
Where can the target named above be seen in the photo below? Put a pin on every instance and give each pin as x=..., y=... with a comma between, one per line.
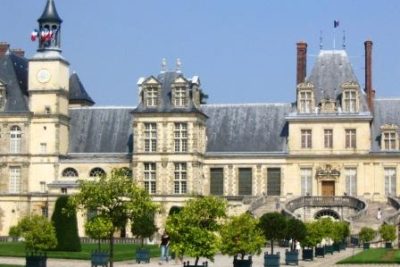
x=164, y=248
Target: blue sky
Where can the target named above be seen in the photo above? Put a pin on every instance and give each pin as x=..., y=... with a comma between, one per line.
x=243, y=51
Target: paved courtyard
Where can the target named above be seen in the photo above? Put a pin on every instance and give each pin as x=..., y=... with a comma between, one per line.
x=220, y=261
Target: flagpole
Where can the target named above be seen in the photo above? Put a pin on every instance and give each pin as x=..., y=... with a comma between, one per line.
x=334, y=37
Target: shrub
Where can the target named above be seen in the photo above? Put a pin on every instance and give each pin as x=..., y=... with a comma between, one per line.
x=314, y=235
x=387, y=232
x=143, y=225
x=273, y=225
x=367, y=234
x=66, y=227
x=295, y=230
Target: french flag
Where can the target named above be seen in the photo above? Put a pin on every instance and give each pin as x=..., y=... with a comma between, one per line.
x=34, y=35
x=335, y=23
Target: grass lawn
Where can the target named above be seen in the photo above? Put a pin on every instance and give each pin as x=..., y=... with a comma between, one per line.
x=6, y=265
x=121, y=251
x=374, y=255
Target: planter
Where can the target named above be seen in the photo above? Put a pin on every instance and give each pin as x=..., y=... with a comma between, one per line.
x=320, y=252
x=308, y=254
x=187, y=264
x=342, y=245
x=355, y=241
x=36, y=259
x=142, y=255
x=329, y=249
x=292, y=257
x=388, y=245
x=99, y=258
x=271, y=260
x=242, y=262
x=366, y=245
x=336, y=247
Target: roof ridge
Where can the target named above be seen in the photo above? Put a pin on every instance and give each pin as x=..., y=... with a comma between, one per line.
x=245, y=104
x=104, y=107
x=385, y=99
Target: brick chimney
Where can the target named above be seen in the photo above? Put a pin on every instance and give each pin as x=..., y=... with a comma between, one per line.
x=301, y=62
x=3, y=48
x=18, y=51
x=368, y=75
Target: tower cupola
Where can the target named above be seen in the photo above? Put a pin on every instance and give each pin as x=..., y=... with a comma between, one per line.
x=49, y=29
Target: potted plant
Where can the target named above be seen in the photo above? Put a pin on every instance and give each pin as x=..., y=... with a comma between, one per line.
x=341, y=231
x=273, y=226
x=143, y=226
x=99, y=228
x=366, y=235
x=388, y=234
x=39, y=236
x=13, y=233
x=241, y=236
x=296, y=231
x=194, y=230
x=313, y=237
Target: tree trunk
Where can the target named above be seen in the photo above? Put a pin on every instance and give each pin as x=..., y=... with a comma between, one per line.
x=195, y=262
x=111, y=250
x=99, y=245
x=272, y=247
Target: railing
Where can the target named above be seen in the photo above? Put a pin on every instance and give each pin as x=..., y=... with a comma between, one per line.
x=393, y=218
x=258, y=202
x=326, y=202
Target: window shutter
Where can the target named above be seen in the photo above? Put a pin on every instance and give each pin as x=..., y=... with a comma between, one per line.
x=245, y=181
x=217, y=181
x=273, y=181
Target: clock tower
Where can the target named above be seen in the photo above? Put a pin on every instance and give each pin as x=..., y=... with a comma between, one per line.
x=48, y=88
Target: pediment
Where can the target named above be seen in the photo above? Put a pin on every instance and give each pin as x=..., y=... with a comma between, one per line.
x=151, y=81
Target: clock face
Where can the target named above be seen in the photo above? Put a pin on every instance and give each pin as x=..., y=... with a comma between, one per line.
x=43, y=76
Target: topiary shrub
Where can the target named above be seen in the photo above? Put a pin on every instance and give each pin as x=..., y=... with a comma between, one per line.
x=388, y=232
x=66, y=227
x=367, y=234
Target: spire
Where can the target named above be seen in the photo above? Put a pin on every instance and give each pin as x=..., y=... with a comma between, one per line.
x=49, y=29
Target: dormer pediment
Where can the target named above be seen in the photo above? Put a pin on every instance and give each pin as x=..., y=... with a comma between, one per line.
x=151, y=81
x=389, y=127
x=350, y=85
x=305, y=86
x=180, y=80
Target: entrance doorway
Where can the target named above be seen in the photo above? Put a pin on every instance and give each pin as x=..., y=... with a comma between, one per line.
x=328, y=188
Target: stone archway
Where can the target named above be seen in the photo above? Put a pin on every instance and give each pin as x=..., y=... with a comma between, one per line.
x=326, y=213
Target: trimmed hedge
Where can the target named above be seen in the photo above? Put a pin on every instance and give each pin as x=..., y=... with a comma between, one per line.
x=66, y=227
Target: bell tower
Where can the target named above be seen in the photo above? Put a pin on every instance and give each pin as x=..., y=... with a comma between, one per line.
x=49, y=28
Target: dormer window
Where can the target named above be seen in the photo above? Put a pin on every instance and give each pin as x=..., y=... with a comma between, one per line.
x=389, y=137
x=2, y=96
x=180, y=97
x=305, y=98
x=151, y=97
x=350, y=101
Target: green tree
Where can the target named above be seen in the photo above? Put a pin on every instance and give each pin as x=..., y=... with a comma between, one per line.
x=194, y=230
x=314, y=234
x=114, y=197
x=241, y=235
x=340, y=231
x=38, y=233
x=273, y=225
x=66, y=227
x=99, y=228
x=367, y=234
x=295, y=230
x=387, y=232
x=143, y=225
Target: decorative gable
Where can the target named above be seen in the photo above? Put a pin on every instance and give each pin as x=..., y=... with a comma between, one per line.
x=389, y=137
x=305, y=98
x=180, y=92
x=151, y=92
x=350, y=97
x=2, y=96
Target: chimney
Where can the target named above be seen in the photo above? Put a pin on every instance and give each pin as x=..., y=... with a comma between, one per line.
x=18, y=51
x=4, y=48
x=368, y=75
x=301, y=62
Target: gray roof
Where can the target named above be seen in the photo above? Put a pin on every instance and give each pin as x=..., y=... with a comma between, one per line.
x=77, y=92
x=13, y=72
x=100, y=130
x=166, y=79
x=247, y=127
x=386, y=111
x=50, y=13
x=331, y=69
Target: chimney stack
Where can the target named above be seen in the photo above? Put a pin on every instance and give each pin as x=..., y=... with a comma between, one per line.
x=368, y=75
x=18, y=51
x=4, y=48
x=301, y=62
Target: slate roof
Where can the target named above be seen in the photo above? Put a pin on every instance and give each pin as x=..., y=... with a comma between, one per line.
x=386, y=111
x=100, y=130
x=50, y=13
x=13, y=72
x=331, y=69
x=77, y=92
x=166, y=79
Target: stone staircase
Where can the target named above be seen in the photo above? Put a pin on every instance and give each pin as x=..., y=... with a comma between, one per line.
x=269, y=204
x=369, y=219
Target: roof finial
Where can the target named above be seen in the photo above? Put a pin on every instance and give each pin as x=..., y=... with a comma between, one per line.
x=344, y=40
x=178, y=65
x=163, y=65
x=321, y=45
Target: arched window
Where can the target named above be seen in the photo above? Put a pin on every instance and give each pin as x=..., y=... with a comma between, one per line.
x=70, y=172
x=97, y=172
x=15, y=139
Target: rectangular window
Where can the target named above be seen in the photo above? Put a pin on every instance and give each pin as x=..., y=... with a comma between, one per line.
x=180, y=97
x=390, y=181
x=305, y=102
x=64, y=190
x=273, y=181
x=151, y=97
x=216, y=181
x=350, y=101
x=351, y=140
x=306, y=181
x=43, y=148
x=180, y=181
x=306, y=138
x=328, y=138
x=351, y=181
x=15, y=180
x=389, y=140
x=43, y=187
x=150, y=137
x=150, y=178
x=181, y=137
x=245, y=181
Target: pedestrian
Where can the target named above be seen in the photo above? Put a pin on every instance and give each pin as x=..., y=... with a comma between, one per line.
x=379, y=214
x=164, y=245
x=298, y=246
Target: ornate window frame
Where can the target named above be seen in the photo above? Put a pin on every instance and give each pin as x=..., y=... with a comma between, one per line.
x=305, y=98
x=96, y=172
x=389, y=137
x=69, y=172
x=150, y=177
x=15, y=139
x=3, y=96
x=350, y=97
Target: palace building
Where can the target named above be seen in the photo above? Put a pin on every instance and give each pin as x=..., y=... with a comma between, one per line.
x=333, y=151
